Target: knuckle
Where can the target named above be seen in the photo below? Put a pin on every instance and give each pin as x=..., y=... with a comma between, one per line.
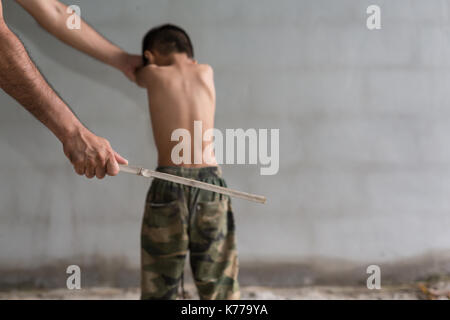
x=110, y=155
x=79, y=160
x=101, y=158
x=79, y=165
x=105, y=143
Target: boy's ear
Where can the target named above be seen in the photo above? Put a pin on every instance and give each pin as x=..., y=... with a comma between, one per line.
x=149, y=56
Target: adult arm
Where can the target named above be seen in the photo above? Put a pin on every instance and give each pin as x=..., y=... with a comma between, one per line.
x=52, y=16
x=19, y=77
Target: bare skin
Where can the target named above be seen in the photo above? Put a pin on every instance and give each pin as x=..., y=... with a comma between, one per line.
x=90, y=155
x=52, y=16
x=180, y=91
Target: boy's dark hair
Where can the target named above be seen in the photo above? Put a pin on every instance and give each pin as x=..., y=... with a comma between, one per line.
x=167, y=39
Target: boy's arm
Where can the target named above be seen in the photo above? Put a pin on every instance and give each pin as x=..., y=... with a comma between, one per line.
x=19, y=77
x=52, y=16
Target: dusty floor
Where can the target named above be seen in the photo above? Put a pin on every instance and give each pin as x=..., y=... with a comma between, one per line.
x=439, y=290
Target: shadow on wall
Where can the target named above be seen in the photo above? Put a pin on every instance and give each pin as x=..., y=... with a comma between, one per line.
x=23, y=24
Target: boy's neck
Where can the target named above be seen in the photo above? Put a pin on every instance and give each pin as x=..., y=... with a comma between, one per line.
x=179, y=58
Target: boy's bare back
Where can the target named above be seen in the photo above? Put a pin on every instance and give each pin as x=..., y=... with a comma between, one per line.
x=178, y=95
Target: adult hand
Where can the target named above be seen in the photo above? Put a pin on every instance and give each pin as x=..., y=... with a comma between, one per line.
x=92, y=155
x=129, y=64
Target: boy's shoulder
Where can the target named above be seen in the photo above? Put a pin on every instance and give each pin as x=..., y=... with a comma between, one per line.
x=145, y=74
x=205, y=68
x=205, y=71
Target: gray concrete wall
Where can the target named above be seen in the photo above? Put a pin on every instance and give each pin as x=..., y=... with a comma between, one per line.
x=364, y=135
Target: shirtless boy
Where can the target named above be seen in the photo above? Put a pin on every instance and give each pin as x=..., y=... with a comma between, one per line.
x=180, y=219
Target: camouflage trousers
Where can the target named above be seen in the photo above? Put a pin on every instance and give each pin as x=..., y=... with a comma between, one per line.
x=180, y=219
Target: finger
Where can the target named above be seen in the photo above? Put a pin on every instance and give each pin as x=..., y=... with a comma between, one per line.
x=120, y=159
x=90, y=170
x=112, y=167
x=100, y=165
x=79, y=167
x=100, y=172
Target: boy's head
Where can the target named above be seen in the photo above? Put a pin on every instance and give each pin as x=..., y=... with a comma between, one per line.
x=162, y=41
